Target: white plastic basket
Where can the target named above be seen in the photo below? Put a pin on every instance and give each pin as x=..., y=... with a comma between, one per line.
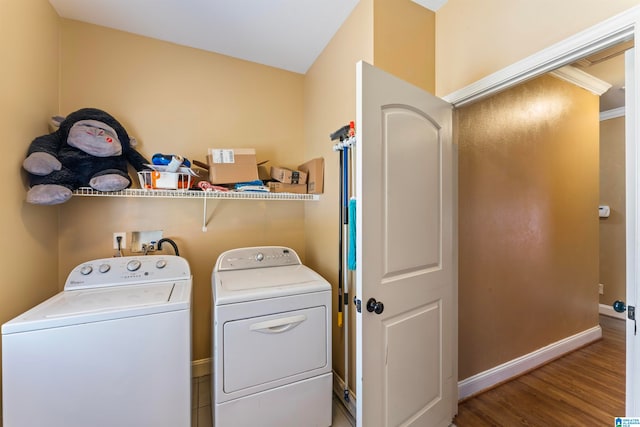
x=155, y=180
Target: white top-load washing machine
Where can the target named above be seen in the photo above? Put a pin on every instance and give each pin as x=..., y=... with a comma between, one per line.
x=112, y=349
x=272, y=341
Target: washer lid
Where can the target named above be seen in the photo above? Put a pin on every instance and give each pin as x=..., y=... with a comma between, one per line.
x=93, y=305
x=253, y=284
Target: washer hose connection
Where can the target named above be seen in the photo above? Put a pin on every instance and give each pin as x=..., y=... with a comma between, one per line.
x=171, y=242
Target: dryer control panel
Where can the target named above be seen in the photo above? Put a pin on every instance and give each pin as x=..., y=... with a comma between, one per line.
x=257, y=257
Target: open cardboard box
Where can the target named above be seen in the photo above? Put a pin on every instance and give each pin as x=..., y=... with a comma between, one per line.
x=315, y=175
x=232, y=165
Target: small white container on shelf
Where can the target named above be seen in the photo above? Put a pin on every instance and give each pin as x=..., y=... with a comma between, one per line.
x=160, y=179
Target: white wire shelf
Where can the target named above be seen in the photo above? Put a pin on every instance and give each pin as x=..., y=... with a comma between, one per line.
x=193, y=194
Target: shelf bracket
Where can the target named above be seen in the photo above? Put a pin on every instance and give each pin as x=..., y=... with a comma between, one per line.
x=204, y=215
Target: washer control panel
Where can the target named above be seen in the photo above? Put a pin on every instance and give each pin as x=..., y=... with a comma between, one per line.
x=257, y=257
x=127, y=270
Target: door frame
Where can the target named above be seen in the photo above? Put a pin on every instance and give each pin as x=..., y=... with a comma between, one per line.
x=620, y=28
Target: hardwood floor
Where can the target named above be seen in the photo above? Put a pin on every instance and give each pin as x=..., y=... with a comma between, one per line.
x=583, y=388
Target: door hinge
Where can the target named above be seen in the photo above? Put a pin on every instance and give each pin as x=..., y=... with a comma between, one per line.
x=358, y=304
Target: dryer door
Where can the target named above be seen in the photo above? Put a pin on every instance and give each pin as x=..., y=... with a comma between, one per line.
x=267, y=349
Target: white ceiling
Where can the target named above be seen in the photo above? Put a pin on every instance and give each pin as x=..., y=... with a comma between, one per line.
x=286, y=34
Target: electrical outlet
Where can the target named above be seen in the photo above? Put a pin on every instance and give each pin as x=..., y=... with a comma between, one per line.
x=145, y=241
x=123, y=240
x=601, y=289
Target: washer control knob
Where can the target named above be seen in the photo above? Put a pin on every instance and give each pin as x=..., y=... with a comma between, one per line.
x=104, y=268
x=259, y=257
x=133, y=265
x=161, y=263
x=86, y=269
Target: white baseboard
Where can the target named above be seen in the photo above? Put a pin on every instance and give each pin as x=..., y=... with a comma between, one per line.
x=607, y=310
x=201, y=367
x=516, y=367
x=338, y=390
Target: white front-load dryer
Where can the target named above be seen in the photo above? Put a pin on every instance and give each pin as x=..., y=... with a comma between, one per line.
x=271, y=341
x=112, y=349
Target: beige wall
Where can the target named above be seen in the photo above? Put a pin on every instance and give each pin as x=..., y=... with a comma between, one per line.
x=29, y=87
x=528, y=227
x=404, y=41
x=175, y=99
x=329, y=103
x=180, y=100
x=477, y=38
x=396, y=36
x=612, y=193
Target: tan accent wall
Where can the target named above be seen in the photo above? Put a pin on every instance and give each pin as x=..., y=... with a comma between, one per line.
x=29, y=84
x=477, y=38
x=528, y=223
x=330, y=103
x=397, y=36
x=181, y=100
x=175, y=99
x=29, y=87
x=612, y=193
x=404, y=41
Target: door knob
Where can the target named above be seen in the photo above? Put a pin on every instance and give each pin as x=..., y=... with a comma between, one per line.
x=375, y=306
x=619, y=306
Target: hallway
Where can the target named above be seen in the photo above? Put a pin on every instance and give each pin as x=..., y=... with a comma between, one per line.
x=585, y=387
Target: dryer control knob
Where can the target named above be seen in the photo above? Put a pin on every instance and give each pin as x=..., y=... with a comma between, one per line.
x=104, y=268
x=86, y=269
x=133, y=265
x=161, y=264
x=259, y=257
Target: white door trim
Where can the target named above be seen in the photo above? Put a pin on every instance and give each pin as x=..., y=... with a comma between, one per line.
x=608, y=33
x=632, y=183
x=620, y=28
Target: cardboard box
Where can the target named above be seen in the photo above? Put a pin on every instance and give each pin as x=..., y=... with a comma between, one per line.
x=232, y=165
x=315, y=175
x=288, y=176
x=281, y=187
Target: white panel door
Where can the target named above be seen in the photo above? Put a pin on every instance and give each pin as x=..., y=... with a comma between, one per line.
x=406, y=348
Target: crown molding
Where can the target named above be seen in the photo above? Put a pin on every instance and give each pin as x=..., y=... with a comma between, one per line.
x=613, y=114
x=584, y=80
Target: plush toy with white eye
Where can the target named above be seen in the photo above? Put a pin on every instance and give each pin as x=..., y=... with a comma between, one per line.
x=89, y=149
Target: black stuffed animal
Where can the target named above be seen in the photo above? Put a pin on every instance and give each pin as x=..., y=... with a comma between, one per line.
x=89, y=149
